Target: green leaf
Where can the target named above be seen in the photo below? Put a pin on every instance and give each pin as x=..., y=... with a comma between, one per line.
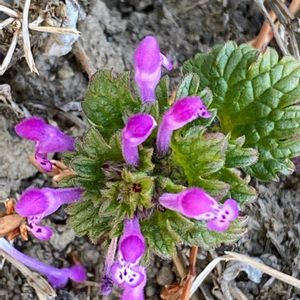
x=198, y=235
x=198, y=153
x=206, y=160
x=84, y=219
x=189, y=86
x=107, y=100
x=256, y=96
x=167, y=185
x=146, y=165
x=162, y=94
x=159, y=234
x=164, y=231
x=240, y=189
x=239, y=157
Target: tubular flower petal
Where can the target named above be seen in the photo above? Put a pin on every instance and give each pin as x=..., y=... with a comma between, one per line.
x=48, y=139
x=195, y=203
x=147, y=63
x=132, y=244
x=137, y=129
x=126, y=272
x=182, y=112
x=57, y=277
x=35, y=204
x=192, y=203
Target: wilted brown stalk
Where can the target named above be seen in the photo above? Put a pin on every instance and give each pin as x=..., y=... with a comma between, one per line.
x=190, y=275
x=266, y=33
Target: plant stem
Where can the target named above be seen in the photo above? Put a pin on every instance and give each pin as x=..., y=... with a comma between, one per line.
x=191, y=274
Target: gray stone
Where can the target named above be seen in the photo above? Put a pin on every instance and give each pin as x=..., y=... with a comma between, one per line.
x=165, y=276
x=61, y=241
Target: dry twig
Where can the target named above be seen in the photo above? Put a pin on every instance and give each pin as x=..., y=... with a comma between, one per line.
x=179, y=265
x=274, y=28
x=229, y=256
x=83, y=59
x=19, y=24
x=266, y=33
x=191, y=274
x=25, y=32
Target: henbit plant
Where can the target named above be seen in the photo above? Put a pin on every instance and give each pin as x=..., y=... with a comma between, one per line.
x=147, y=190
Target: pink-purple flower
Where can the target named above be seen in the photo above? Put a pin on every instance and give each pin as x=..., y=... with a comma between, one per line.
x=197, y=204
x=226, y=214
x=57, y=277
x=35, y=204
x=126, y=272
x=137, y=129
x=147, y=63
x=47, y=138
x=182, y=112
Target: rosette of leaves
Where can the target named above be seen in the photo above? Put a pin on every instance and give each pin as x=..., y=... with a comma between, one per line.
x=218, y=154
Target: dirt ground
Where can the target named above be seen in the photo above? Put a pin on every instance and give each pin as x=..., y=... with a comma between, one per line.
x=110, y=31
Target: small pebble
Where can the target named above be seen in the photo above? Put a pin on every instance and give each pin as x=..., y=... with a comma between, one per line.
x=165, y=276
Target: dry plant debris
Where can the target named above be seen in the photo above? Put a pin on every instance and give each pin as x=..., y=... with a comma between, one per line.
x=19, y=25
x=280, y=23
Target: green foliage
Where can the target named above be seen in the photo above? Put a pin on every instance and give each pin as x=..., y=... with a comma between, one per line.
x=108, y=100
x=128, y=195
x=85, y=219
x=164, y=230
x=253, y=130
x=162, y=94
x=207, y=160
x=255, y=96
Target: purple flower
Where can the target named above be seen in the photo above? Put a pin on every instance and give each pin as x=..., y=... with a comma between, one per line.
x=147, y=64
x=49, y=139
x=126, y=272
x=137, y=129
x=35, y=204
x=106, y=283
x=192, y=203
x=229, y=212
x=197, y=204
x=136, y=293
x=57, y=277
x=182, y=112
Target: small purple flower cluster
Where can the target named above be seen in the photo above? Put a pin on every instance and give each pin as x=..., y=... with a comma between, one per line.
x=35, y=204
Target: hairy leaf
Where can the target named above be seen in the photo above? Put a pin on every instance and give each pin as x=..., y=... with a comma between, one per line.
x=107, y=100
x=206, y=160
x=84, y=219
x=164, y=230
x=256, y=96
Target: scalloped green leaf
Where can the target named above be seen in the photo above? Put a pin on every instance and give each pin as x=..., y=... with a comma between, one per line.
x=256, y=96
x=206, y=160
x=239, y=157
x=84, y=219
x=160, y=236
x=189, y=86
x=164, y=231
x=198, y=153
x=107, y=100
x=198, y=235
